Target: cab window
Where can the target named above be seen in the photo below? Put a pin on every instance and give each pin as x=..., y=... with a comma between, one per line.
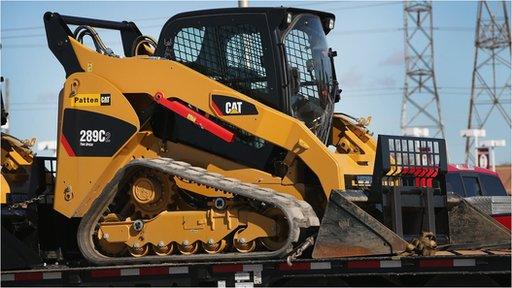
x=454, y=184
x=492, y=185
x=187, y=43
x=231, y=54
x=472, y=186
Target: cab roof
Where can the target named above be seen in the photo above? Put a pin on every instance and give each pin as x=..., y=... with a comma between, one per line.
x=466, y=168
x=239, y=10
x=275, y=13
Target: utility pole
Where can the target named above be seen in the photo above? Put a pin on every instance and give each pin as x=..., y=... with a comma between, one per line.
x=490, y=84
x=420, y=105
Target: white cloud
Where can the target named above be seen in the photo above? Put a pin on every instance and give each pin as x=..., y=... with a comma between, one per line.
x=395, y=59
x=351, y=78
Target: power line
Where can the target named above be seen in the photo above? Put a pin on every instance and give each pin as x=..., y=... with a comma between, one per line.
x=33, y=103
x=13, y=29
x=367, y=31
x=315, y=3
x=22, y=28
x=455, y=28
x=44, y=35
x=337, y=32
x=367, y=5
x=33, y=109
x=45, y=45
x=23, y=46
x=373, y=88
x=398, y=91
x=22, y=36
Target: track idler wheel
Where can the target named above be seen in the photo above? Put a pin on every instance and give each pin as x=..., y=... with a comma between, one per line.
x=163, y=250
x=188, y=249
x=278, y=241
x=241, y=244
x=214, y=247
x=139, y=251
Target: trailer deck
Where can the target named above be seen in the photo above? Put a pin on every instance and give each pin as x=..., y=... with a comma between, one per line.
x=477, y=267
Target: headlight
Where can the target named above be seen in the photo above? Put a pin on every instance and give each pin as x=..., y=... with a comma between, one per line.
x=331, y=24
x=289, y=18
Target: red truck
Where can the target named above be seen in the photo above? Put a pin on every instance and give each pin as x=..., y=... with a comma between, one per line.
x=482, y=188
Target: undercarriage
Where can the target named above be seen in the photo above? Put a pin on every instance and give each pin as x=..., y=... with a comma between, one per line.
x=123, y=225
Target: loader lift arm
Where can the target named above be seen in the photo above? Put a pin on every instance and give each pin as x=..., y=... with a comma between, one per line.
x=57, y=33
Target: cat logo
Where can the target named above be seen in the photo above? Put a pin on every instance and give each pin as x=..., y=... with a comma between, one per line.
x=233, y=108
x=105, y=99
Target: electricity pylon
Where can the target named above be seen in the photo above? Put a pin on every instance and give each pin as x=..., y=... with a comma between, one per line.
x=490, y=84
x=420, y=106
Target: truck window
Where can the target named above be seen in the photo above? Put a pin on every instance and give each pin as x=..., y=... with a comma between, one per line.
x=454, y=184
x=492, y=185
x=472, y=186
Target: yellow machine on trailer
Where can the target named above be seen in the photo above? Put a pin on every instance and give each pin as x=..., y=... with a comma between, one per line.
x=220, y=142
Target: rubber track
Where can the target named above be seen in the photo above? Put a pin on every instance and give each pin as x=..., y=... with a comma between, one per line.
x=299, y=213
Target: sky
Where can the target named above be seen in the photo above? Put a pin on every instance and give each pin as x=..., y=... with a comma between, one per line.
x=368, y=37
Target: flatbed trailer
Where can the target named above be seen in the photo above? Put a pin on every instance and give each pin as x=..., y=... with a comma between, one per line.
x=454, y=268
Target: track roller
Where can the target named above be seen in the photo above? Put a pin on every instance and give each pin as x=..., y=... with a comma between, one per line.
x=163, y=250
x=187, y=249
x=214, y=247
x=241, y=244
x=139, y=251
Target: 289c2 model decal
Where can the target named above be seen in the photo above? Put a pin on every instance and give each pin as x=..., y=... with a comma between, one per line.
x=86, y=133
x=89, y=137
x=227, y=106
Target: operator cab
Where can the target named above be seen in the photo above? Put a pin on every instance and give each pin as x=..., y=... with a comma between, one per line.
x=278, y=56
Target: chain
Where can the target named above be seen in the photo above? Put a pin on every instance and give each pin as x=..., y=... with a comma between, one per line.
x=310, y=241
x=24, y=204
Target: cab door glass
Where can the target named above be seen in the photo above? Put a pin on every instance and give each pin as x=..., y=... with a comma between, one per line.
x=472, y=186
x=310, y=69
x=245, y=62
